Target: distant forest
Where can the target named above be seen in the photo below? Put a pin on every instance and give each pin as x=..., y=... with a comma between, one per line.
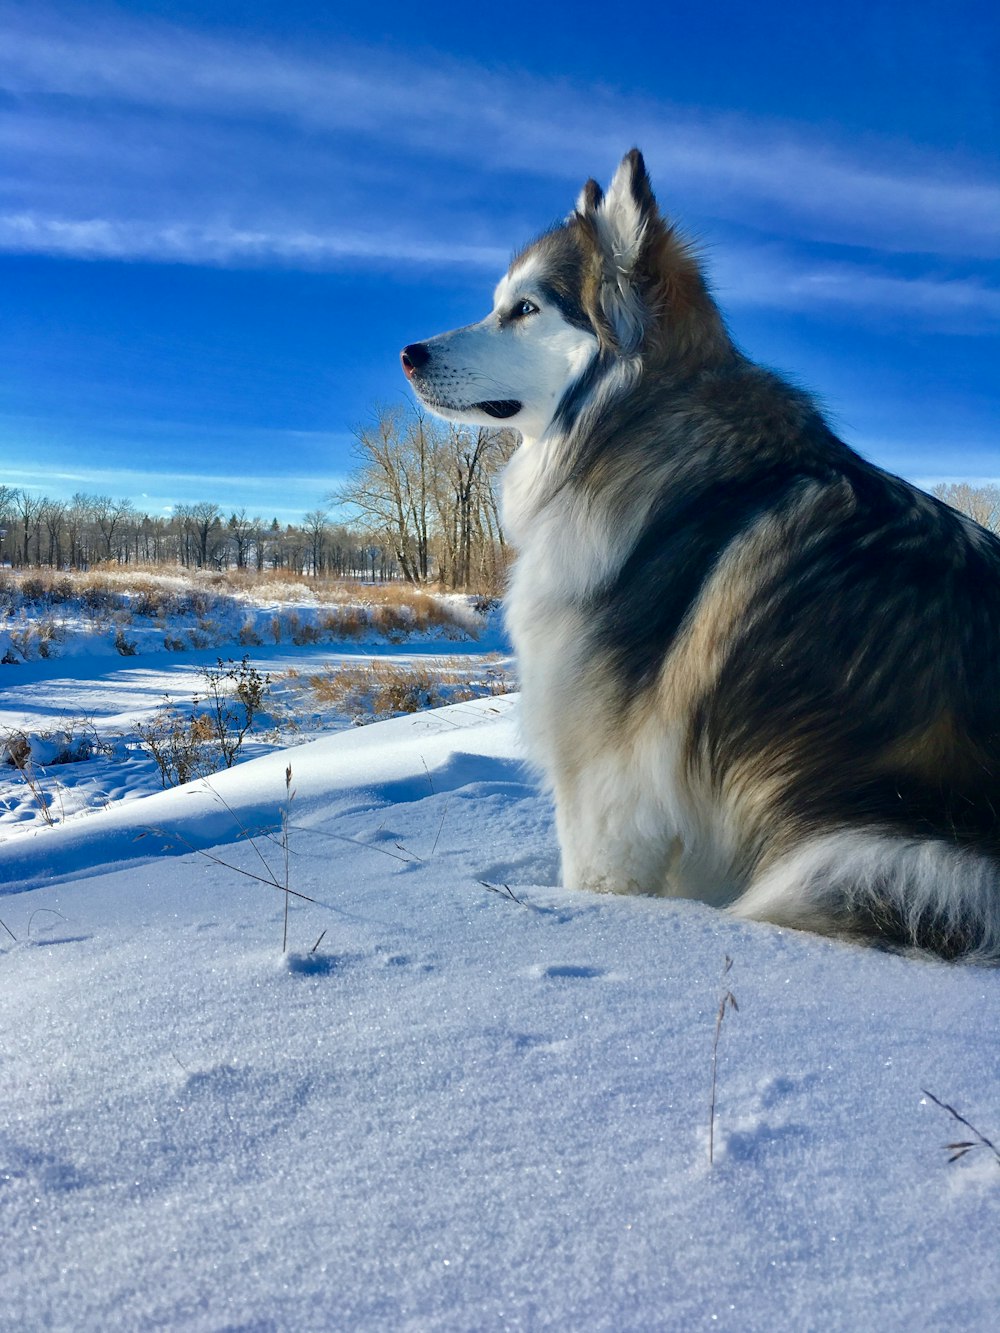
x=420, y=505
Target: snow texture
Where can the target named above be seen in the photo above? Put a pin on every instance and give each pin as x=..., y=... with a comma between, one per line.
x=478, y=1101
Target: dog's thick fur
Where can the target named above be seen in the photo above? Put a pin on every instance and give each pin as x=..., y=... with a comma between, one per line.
x=757, y=670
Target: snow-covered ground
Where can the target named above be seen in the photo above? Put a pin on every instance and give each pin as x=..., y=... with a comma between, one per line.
x=463, y=1098
x=72, y=704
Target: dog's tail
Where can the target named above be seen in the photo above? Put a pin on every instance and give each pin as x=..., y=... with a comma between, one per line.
x=905, y=892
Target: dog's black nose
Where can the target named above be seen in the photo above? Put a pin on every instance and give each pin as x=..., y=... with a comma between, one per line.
x=413, y=358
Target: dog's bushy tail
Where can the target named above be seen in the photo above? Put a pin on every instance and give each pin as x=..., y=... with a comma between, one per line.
x=904, y=892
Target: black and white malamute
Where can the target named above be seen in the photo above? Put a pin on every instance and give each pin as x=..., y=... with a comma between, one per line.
x=757, y=670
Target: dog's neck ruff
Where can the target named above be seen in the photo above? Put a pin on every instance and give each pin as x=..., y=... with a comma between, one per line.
x=542, y=470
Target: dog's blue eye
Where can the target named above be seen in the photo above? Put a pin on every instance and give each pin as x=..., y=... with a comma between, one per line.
x=523, y=308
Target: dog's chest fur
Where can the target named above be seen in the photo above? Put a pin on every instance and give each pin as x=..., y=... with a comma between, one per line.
x=567, y=549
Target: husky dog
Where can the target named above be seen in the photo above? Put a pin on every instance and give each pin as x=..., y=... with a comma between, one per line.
x=757, y=670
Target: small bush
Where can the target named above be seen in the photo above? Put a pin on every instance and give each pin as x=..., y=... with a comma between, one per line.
x=181, y=746
x=97, y=598
x=248, y=636
x=187, y=746
x=34, y=588
x=28, y=637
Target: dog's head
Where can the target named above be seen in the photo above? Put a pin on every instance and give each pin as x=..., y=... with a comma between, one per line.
x=614, y=281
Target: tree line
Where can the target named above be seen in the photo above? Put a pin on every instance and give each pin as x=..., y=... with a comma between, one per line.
x=420, y=505
x=979, y=502
x=36, y=530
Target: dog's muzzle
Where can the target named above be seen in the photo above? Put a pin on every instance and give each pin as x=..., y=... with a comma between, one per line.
x=415, y=357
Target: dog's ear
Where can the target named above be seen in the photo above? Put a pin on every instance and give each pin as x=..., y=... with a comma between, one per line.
x=628, y=215
x=643, y=288
x=590, y=198
x=619, y=228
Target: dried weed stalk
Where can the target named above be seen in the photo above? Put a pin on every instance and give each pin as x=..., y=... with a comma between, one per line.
x=728, y=1001
x=267, y=876
x=958, y=1150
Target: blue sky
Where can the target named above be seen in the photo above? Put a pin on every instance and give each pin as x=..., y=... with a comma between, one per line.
x=219, y=222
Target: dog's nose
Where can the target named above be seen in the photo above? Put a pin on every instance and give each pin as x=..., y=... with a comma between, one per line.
x=413, y=358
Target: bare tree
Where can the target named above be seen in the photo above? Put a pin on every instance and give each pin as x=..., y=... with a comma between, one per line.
x=426, y=489
x=317, y=528
x=981, y=503
x=26, y=506
x=204, y=521
x=241, y=531
x=7, y=515
x=112, y=518
x=386, y=491
x=469, y=466
x=53, y=515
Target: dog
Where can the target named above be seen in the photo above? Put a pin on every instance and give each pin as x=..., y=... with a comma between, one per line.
x=757, y=670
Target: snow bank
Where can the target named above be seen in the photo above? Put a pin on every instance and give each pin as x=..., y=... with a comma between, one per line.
x=468, y=1107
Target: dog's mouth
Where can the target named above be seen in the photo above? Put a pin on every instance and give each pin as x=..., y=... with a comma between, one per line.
x=500, y=408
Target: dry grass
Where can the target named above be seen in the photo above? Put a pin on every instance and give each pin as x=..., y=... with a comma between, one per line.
x=379, y=690
x=229, y=605
x=962, y=1147
x=30, y=638
x=728, y=1001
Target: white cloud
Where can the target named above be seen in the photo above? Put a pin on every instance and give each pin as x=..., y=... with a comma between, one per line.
x=183, y=242
x=767, y=276
x=134, y=138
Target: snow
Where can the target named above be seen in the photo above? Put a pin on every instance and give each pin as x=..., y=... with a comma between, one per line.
x=463, y=1098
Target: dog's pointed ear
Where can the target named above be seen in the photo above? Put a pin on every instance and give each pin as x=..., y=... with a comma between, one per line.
x=590, y=198
x=617, y=230
x=629, y=213
x=643, y=287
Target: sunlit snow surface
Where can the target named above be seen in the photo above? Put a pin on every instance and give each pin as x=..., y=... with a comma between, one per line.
x=458, y=1110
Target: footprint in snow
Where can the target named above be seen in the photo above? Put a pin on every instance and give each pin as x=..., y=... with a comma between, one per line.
x=574, y=971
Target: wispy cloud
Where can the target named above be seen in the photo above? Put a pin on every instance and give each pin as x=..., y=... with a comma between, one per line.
x=768, y=277
x=138, y=139
x=184, y=242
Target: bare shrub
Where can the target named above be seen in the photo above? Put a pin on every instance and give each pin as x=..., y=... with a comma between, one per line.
x=95, y=596
x=236, y=692
x=181, y=746
x=248, y=636
x=34, y=588
x=304, y=632
x=30, y=637
x=186, y=746
x=126, y=647
x=346, y=622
